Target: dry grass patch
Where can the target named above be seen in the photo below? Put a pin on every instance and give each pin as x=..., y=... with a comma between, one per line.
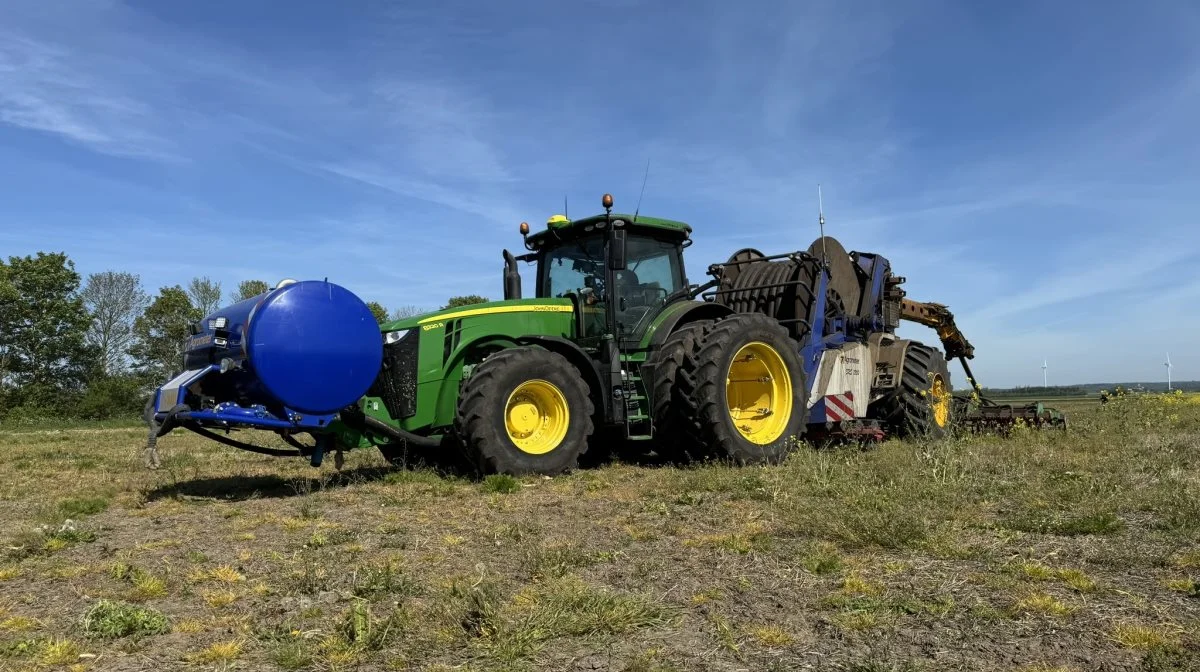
x=59, y=651
x=1076, y=579
x=220, y=574
x=772, y=637
x=19, y=624
x=220, y=652
x=1145, y=637
x=1042, y=604
x=1187, y=586
x=1187, y=560
x=219, y=599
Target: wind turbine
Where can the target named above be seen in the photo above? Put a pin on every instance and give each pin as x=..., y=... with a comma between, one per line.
x=1045, y=381
x=1168, y=365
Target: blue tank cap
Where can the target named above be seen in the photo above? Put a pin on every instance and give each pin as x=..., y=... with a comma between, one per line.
x=314, y=346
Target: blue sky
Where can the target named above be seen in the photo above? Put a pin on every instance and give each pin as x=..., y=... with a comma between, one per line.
x=1033, y=165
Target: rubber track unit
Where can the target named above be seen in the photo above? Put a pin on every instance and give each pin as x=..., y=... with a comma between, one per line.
x=702, y=386
x=481, y=407
x=907, y=410
x=669, y=406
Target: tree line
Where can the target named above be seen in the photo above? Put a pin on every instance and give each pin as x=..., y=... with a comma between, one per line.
x=96, y=347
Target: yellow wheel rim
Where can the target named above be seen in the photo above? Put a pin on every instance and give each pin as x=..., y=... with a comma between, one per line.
x=536, y=417
x=759, y=393
x=941, y=401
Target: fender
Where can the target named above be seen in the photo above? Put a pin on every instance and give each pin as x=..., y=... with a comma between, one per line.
x=888, y=352
x=678, y=314
x=580, y=359
x=452, y=376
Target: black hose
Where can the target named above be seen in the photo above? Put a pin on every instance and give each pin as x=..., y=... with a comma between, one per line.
x=274, y=452
x=381, y=427
x=783, y=290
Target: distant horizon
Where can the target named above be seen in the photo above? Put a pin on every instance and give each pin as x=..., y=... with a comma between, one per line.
x=1162, y=383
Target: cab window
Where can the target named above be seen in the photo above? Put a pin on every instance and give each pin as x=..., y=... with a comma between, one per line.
x=653, y=272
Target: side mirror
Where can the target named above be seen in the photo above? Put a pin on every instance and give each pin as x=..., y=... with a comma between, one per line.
x=616, y=251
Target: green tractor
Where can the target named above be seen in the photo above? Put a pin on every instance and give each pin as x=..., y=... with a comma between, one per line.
x=615, y=346
x=528, y=384
x=618, y=346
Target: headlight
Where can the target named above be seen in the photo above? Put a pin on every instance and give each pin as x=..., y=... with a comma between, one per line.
x=394, y=336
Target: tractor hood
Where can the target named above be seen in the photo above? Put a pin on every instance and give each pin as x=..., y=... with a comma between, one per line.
x=421, y=353
x=516, y=308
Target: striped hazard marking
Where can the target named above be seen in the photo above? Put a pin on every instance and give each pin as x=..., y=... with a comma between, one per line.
x=839, y=407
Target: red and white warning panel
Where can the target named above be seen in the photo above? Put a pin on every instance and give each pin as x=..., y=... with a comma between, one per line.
x=839, y=407
x=842, y=384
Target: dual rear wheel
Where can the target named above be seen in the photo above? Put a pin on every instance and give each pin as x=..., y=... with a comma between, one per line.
x=731, y=389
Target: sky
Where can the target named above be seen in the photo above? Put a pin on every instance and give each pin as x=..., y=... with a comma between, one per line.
x=1032, y=165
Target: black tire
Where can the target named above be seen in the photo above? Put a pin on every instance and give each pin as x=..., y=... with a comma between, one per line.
x=669, y=409
x=704, y=379
x=482, y=408
x=909, y=410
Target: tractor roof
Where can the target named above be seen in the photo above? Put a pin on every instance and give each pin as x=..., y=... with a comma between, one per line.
x=560, y=226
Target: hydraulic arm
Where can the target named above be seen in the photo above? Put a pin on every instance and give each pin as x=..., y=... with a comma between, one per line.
x=989, y=413
x=940, y=318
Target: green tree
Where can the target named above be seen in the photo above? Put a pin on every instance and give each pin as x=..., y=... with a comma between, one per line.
x=459, y=301
x=118, y=396
x=160, y=333
x=205, y=295
x=377, y=309
x=249, y=288
x=407, y=311
x=114, y=299
x=44, y=357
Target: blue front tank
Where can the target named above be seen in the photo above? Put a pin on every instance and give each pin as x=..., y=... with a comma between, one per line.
x=314, y=346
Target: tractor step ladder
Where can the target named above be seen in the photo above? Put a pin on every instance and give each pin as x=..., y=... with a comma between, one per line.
x=637, y=423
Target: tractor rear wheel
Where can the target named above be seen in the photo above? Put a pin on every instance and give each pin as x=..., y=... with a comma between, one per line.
x=525, y=410
x=922, y=404
x=668, y=404
x=746, y=390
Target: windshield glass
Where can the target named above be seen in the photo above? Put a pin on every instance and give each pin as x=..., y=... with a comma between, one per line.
x=653, y=271
x=573, y=267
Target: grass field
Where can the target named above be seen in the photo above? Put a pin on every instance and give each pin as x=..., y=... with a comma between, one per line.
x=1044, y=551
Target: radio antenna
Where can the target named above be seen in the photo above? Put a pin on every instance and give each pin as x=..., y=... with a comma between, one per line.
x=821, y=223
x=639, y=203
x=566, y=213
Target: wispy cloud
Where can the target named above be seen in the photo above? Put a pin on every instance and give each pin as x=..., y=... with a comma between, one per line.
x=43, y=89
x=398, y=151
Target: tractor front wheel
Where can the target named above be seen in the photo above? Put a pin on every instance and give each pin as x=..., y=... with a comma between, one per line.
x=747, y=390
x=525, y=410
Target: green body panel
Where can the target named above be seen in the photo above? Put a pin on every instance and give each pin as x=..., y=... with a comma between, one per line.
x=458, y=337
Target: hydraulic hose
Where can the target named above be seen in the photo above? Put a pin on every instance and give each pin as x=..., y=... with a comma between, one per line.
x=381, y=427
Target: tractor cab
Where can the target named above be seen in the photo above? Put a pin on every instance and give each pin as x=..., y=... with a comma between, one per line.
x=620, y=270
